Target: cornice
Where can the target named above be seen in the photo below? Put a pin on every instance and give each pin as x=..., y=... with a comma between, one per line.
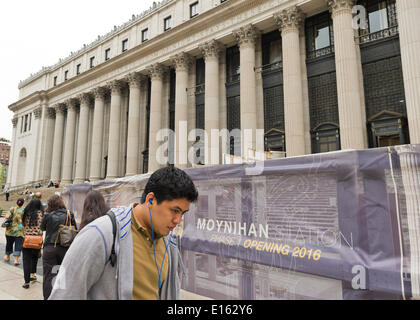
x=158, y=48
x=135, y=19
x=33, y=97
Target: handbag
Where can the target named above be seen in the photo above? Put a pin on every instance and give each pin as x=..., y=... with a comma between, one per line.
x=9, y=221
x=32, y=242
x=66, y=233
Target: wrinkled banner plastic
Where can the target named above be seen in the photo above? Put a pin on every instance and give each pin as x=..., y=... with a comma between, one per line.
x=338, y=225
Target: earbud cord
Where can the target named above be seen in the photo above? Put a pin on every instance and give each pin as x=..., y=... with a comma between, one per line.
x=154, y=253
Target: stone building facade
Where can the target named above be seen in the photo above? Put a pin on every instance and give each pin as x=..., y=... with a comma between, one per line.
x=301, y=76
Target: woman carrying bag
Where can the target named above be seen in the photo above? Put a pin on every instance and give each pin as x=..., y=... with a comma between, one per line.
x=56, y=214
x=31, y=221
x=14, y=233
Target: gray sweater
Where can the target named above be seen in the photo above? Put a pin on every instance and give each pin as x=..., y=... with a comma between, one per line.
x=86, y=272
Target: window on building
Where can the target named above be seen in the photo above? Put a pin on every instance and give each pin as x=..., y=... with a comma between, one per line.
x=325, y=138
x=319, y=35
x=107, y=54
x=378, y=19
x=66, y=75
x=167, y=23
x=194, y=9
x=388, y=128
x=55, y=81
x=232, y=64
x=381, y=20
x=144, y=35
x=271, y=51
x=125, y=45
x=78, y=68
x=92, y=62
x=25, y=128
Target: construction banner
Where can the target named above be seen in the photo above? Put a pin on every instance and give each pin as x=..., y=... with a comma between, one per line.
x=338, y=225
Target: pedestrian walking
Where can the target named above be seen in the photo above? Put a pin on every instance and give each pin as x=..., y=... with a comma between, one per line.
x=14, y=233
x=53, y=252
x=31, y=220
x=7, y=194
x=94, y=207
x=140, y=260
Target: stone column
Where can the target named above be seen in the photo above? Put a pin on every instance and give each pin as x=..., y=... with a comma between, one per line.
x=408, y=12
x=38, y=114
x=289, y=22
x=12, y=159
x=349, y=89
x=114, y=129
x=211, y=52
x=44, y=134
x=246, y=37
x=306, y=111
x=133, y=152
x=156, y=75
x=59, y=109
x=182, y=62
x=410, y=174
x=68, y=155
x=82, y=138
x=143, y=120
x=97, y=134
x=48, y=136
x=223, y=103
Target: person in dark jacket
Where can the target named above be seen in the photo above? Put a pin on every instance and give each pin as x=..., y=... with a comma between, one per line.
x=31, y=222
x=53, y=254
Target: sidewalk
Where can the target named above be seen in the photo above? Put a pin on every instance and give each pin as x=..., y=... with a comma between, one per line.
x=11, y=278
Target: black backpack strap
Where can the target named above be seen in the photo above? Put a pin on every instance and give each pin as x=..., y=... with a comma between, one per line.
x=113, y=257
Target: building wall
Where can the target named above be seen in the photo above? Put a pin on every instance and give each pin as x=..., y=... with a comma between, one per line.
x=218, y=21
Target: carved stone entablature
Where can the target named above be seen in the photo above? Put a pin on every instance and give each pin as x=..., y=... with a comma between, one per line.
x=85, y=99
x=339, y=6
x=182, y=61
x=14, y=122
x=290, y=19
x=38, y=113
x=211, y=49
x=246, y=35
x=116, y=86
x=134, y=79
x=156, y=71
x=99, y=93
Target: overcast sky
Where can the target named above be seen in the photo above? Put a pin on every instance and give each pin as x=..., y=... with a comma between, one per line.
x=38, y=33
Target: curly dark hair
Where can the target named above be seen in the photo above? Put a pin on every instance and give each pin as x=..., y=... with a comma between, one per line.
x=30, y=213
x=170, y=183
x=55, y=202
x=93, y=207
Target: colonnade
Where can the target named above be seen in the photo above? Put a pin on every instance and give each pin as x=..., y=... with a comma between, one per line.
x=350, y=94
